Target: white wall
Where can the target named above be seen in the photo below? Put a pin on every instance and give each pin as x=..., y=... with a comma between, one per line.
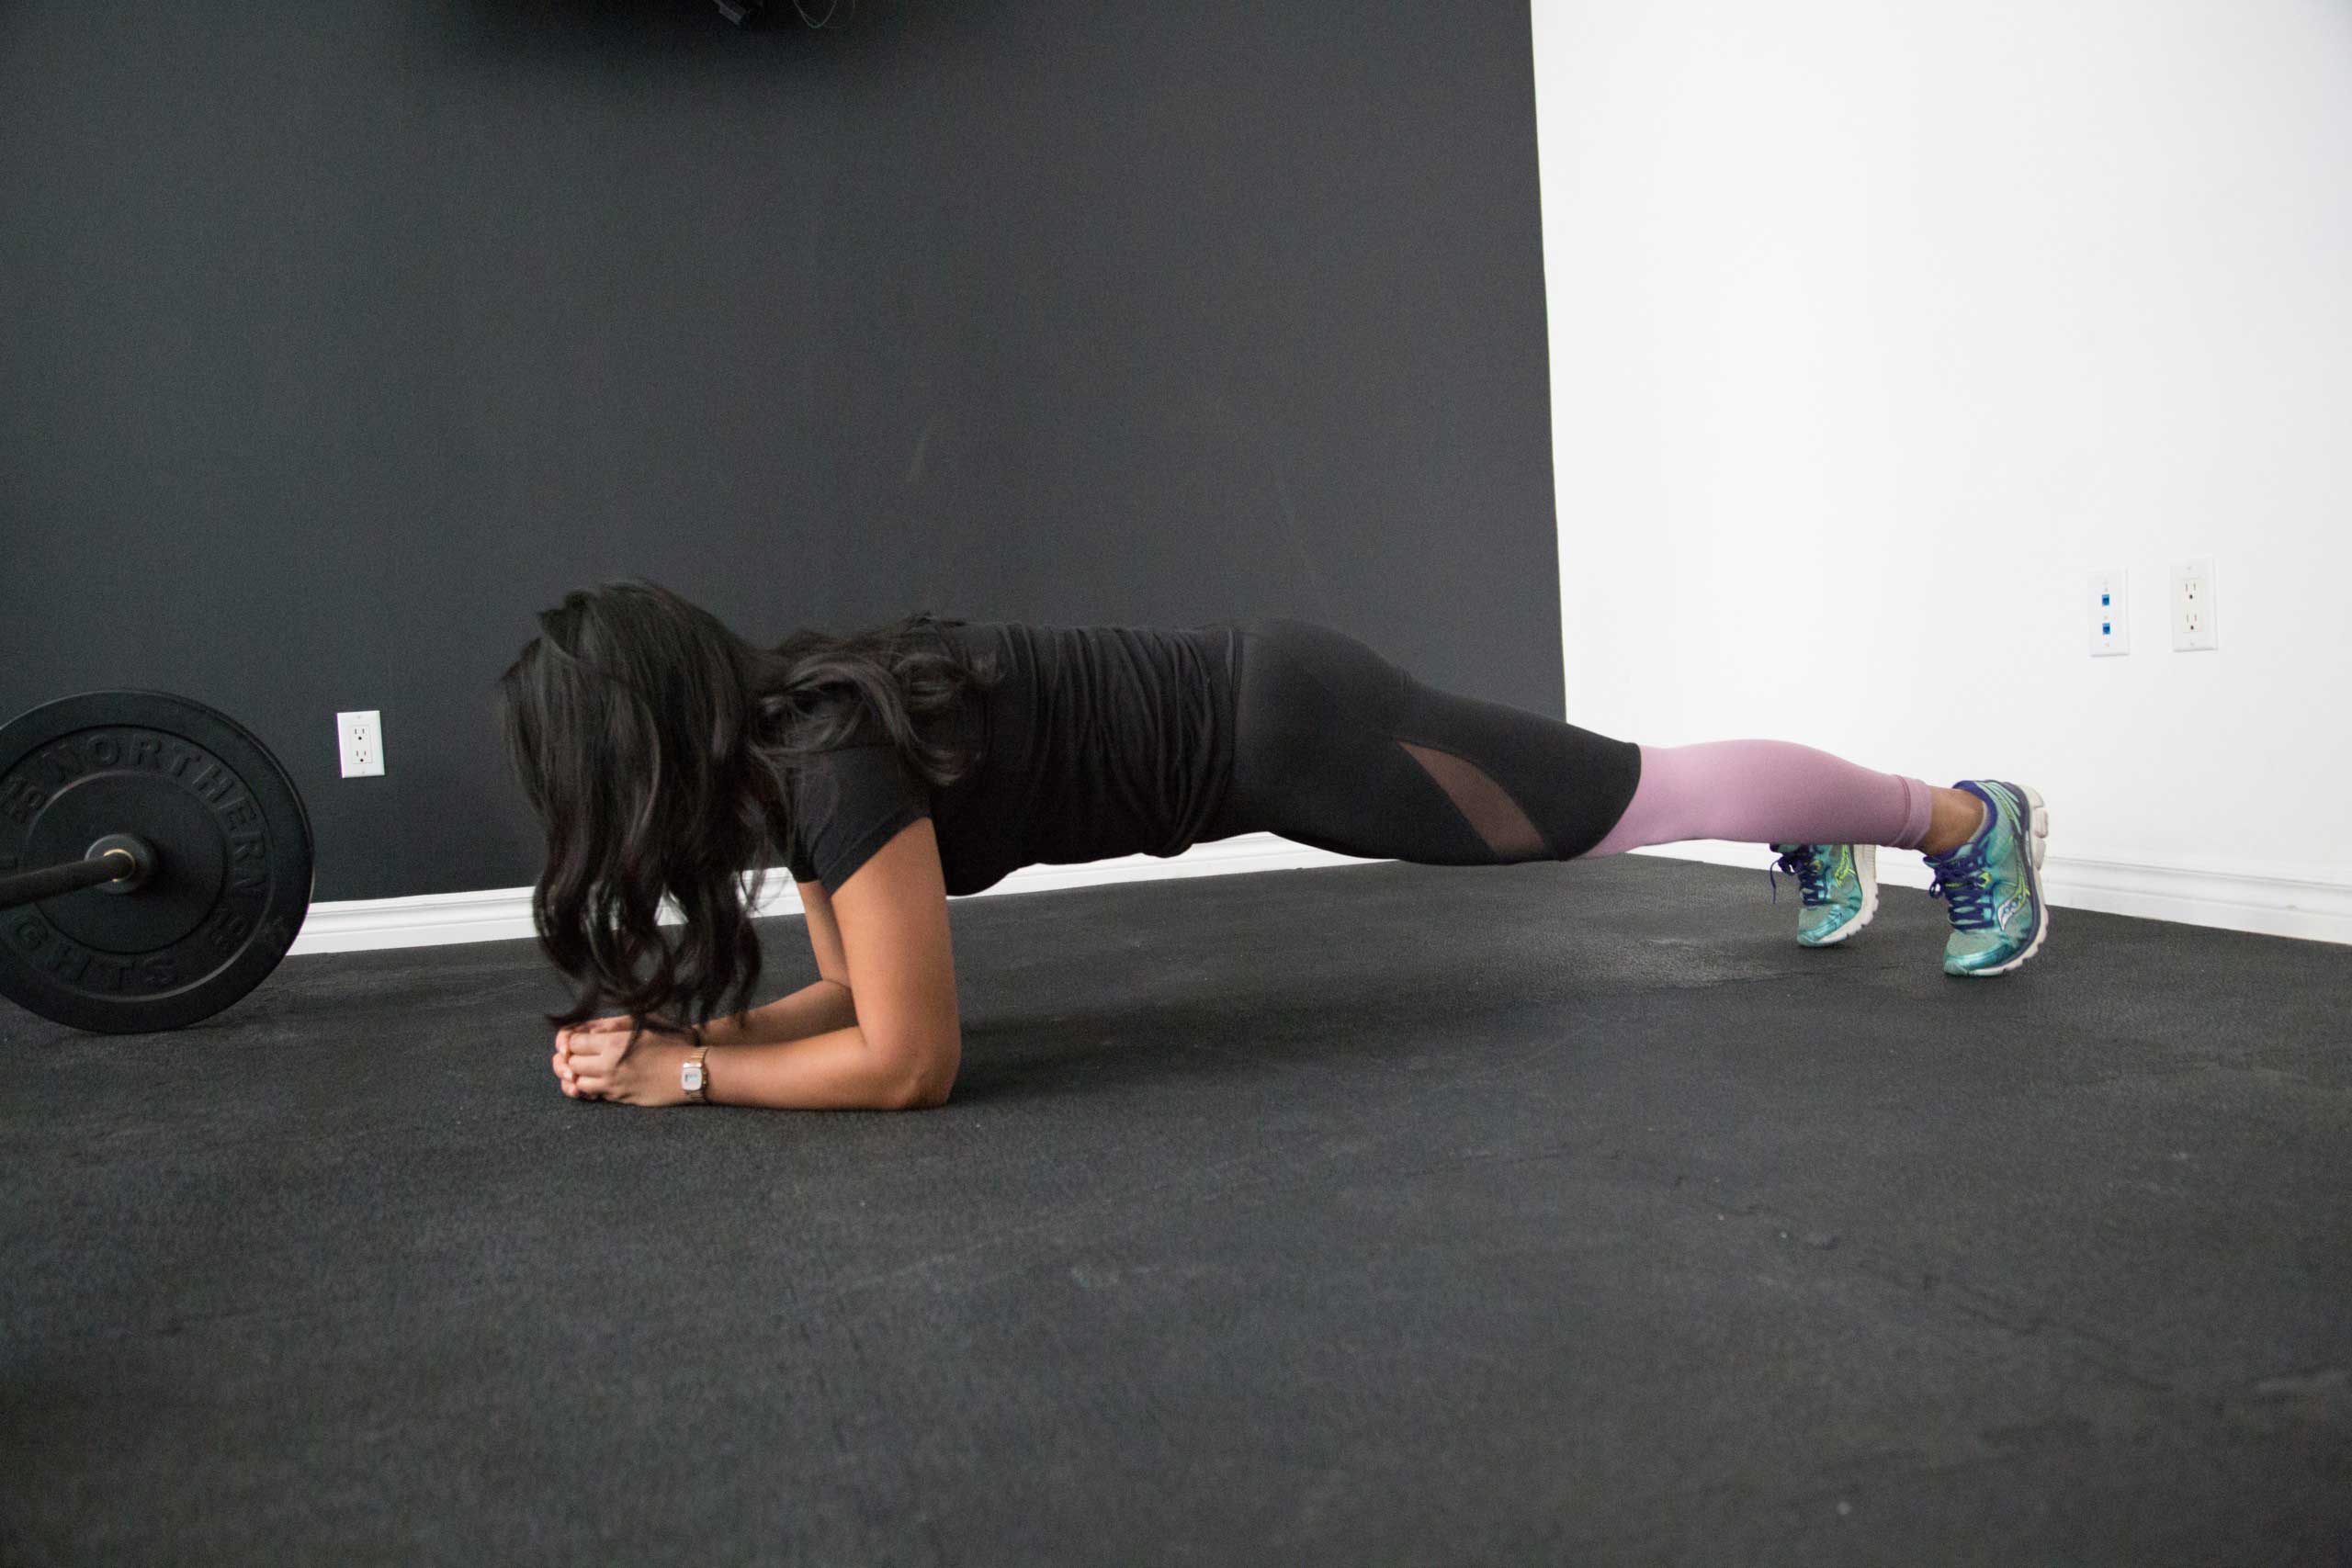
x=1874, y=329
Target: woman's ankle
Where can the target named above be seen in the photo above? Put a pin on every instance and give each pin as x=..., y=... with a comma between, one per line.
x=1953, y=819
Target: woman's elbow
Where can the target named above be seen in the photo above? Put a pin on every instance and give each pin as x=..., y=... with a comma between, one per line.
x=930, y=1097
x=924, y=1084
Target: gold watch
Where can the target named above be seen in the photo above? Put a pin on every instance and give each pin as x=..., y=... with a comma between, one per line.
x=695, y=1077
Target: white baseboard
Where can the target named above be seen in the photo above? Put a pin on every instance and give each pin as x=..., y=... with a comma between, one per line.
x=2233, y=900
x=2264, y=900
x=501, y=914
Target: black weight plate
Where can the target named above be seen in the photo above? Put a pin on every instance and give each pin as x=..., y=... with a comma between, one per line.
x=233, y=845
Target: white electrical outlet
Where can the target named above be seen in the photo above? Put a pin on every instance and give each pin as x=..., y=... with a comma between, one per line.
x=361, y=738
x=2110, y=623
x=2196, y=622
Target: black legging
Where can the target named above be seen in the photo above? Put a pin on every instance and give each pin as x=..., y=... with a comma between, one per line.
x=1336, y=748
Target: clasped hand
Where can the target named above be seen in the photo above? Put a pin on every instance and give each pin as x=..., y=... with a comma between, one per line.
x=595, y=1061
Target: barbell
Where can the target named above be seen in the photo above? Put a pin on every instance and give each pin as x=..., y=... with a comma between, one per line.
x=155, y=861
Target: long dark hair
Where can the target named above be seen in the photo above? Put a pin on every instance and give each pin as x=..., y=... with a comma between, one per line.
x=658, y=750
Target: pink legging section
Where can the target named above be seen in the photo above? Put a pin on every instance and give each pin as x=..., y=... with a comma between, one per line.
x=1767, y=792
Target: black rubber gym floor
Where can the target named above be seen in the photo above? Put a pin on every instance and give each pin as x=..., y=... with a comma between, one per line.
x=1384, y=1214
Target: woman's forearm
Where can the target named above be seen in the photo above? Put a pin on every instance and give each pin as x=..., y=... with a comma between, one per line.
x=837, y=1070
x=817, y=1008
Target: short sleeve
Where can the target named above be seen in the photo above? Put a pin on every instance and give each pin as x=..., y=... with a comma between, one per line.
x=796, y=856
x=848, y=803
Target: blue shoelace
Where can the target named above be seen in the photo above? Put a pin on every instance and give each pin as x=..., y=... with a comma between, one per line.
x=1811, y=872
x=1962, y=884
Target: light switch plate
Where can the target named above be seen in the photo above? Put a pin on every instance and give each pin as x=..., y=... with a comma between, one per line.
x=2110, y=621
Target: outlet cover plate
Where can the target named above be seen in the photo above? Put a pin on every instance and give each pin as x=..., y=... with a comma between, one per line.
x=360, y=739
x=2195, y=610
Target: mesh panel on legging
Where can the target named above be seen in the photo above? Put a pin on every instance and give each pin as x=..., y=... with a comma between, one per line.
x=1336, y=748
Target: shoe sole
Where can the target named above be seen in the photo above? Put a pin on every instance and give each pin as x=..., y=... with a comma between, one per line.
x=2037, y=846
x=1865, y=872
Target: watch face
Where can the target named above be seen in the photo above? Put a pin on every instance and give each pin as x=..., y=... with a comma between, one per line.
x=694, y=1075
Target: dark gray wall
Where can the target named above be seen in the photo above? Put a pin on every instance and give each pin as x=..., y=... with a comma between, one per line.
x=337, y=339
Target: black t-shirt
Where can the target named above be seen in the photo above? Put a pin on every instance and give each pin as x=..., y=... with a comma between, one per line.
x=1099, y=742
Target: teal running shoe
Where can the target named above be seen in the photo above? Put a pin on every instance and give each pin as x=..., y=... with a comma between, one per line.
x=1841, y=886
x=1991, y=885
